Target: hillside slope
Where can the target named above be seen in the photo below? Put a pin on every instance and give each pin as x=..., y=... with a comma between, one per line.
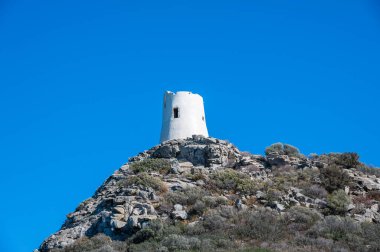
x=203, y=194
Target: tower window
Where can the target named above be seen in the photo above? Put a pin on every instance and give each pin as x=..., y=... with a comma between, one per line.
x=175, y=112
x=203, y=118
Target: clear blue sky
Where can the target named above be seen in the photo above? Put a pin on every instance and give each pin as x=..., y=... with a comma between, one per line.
x=81, y=85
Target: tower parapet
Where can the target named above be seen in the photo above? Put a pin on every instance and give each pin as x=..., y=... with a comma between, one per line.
x=183, y=116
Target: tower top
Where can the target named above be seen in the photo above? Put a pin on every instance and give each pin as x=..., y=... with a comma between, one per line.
x=183, y=116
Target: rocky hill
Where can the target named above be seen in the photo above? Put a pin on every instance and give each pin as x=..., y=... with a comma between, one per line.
x=203, y=194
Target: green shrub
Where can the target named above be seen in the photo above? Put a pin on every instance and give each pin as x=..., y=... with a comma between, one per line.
x=196, y=199
x=229, y=179
x=337, y=228
x=338, y=202
x=371, y=232
x=283, y=149
x=334, y=178
x=347, y=159
x=213, y=202
x=187, y=196
x=369, y=170
x=343, y=160
x=196, y=175
x=291, y=151
x=315, y=192
x=276, y=147
x=144, y=180
x=214, y=222
x=301, y=218
x=198, y=208
x=176, y=242
x=149, y=245
x=283, y=180
x=272, y=195
x=99, y=242
x=263, y=225
x=151, y=165
x=143, y=235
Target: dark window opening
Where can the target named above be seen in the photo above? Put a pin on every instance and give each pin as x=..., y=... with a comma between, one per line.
x=176, y=112
x=203, y=118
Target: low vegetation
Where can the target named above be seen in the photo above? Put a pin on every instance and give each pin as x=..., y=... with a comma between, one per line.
x=226, y=229
x=144, y=180
x=369, y=170
x=338, y=202
x=334, y=178
x=197, y=200
x=283, y=149
x=151, y=165
x=233, y=181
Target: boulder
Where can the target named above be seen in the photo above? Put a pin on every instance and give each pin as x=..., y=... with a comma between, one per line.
x=179, y=215
x=118, y=224
x=279, y=207
x=178, y=207
x=166, y=151
x=119, y=209
x=278, y=160
x=239, y=205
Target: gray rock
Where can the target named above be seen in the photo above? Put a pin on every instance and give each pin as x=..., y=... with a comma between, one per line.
x=275, y=159
x=143, y=194
x=375, y=208
x=153, y=196
x=166, y=151
x=117, y=223
x=175, y=167
x=350, y=207
x=117, y=216
x=293, y=202
x=119, y=209
x=137, y=211
x=239, y=205
x=179, y=215
x=200, y=182
x=178, y=207
x=320, y=203
x=260, y=195
x=279, y=207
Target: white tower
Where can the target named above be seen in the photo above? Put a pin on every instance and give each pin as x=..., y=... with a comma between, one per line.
x=183, y=116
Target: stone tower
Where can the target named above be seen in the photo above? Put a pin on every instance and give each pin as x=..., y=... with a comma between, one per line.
x=183, y=116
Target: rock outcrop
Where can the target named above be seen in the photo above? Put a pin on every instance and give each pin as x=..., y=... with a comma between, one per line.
x=129, y=199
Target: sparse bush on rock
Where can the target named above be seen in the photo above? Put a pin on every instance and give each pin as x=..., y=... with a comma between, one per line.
x=315, y=192
x=151, y=165
x=338, y=202
x=98, y=243
x=232, y=180
x=187, y=196
x=144, y=180
x=369, y=170
x=344, y=160
x=301, y=218
x=337, y=228
x=334, y=178
x=283, y=149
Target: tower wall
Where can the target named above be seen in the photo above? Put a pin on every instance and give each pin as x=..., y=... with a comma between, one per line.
x=183, y=116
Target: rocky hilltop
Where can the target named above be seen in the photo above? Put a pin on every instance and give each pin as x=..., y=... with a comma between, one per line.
x=203, y=194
